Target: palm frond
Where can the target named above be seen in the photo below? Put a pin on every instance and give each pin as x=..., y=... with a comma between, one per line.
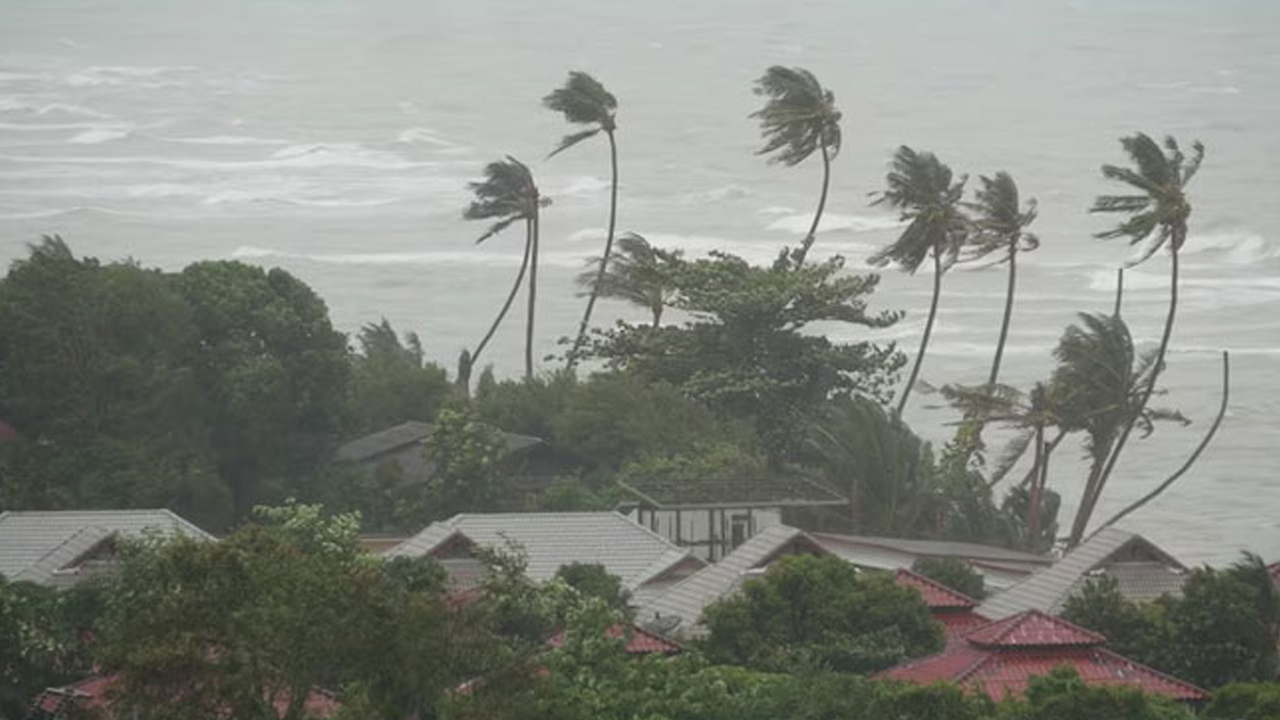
x=507, y=194
x=572, y=139
x=799, y=117
x=929, y=200
x=583, y=100
x=1158, y=212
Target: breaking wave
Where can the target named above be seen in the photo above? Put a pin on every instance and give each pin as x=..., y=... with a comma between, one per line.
x=799, y=223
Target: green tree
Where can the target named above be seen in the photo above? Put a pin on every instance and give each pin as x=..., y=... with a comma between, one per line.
x=820, y=611
x=1158, y=210
x=391, y=383
x=592, y=580
x=584, y=101
x=1062, y=695
x=640, y=274
x=1000, y=225
x=798, y=119
x=955, y=574
x=1132, y=629
x=508, y=195
x=43, y=644
x=1254, y=701
x=929, y=200
x=467, y=455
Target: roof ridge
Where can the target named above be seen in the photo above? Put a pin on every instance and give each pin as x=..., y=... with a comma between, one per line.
x=1013, y=622
x=1148, y=668
x=971, y=601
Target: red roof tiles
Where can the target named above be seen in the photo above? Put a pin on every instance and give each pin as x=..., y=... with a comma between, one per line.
x=936, y=595
x=641, y=641
x=1000, y=658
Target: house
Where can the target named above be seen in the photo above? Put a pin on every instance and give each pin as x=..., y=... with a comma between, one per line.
x=679, y=608
x=952, y=609
x=638, y=640
x=90, y=697
x=1000, y=567
x=715, y=516
x=1000, y=658
x=1142, y=571
x=645, y=561
x=400, y=448
x=64, y=548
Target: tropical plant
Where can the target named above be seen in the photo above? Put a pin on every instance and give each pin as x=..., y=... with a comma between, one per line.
x=799, y=119
x=508, y=195
x=639, y=273
x=954, y=573
x=1000, y=225
x=924, y=192
x=1158, y=210
x=584, y=101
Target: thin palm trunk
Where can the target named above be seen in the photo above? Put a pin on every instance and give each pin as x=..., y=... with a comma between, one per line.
x=1037, y=487
x=604, y=259
x=928, y=329
x=817, y=216
x=657, y=317
x=511, y=296
x=1092, y=494
x=532, y=227
x=1008, y=313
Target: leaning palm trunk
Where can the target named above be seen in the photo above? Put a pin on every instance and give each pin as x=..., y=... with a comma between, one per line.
x=928, y=329
x=604, y=259
x=1093, y=490
x=532, y=228
x=1008, y=313
x=817, y=216
x=511, y=296
x=1037, y=487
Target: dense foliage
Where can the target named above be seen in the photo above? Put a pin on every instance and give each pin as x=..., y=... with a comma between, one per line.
x=955, y=574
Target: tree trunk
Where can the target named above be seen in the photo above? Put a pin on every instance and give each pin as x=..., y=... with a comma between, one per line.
x=515, y=289
x=1008, y=313
x=928, y=328
x=533, y=294
x=1037, y=489
x=1090, y=501
x=578, y=342
x=817, y=216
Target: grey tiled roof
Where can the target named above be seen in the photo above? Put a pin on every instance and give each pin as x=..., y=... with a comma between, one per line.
x=550, y=540
x=1113, y=548
x=35, y=545
x=689, y=597
x=411, y=433
x=738, y=493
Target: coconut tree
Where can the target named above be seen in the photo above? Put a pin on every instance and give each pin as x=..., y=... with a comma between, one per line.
x=585, y=102
x=798, y=119
x=506, y=196
x=1158, y=210
x=1000, y=224
x=639, y=274
x=928, y=198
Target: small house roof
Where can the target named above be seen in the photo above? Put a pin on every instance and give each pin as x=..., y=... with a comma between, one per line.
x=936, y=595
x=413, y=432
x=667, y=494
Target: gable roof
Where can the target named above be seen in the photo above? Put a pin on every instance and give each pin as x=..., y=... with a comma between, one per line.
x=1000, y=567
x=1049, y=588
x=551, y=540
x=936, y=595
x=40, y=546
x=666, y=494
x=1000, y=658
x=687, y=599
x=408, y=434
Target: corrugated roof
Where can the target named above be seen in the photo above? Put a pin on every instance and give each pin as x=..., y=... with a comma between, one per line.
x=840, y=544
x=34, y=546
x=688, y=598
x=411, y=433
x=732, y=492
x=1049, y=588
x=1019, y=651
x=552, y=540
x=936, y=595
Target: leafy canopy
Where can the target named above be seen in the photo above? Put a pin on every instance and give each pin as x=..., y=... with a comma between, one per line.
x=1157, y=204
x=798, y=118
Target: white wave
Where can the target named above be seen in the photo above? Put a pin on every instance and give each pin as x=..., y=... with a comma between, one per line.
x=435, y=257
x=1236, y=247
x=134, y=76
x=298, y=156
x=720, y=194
x=799, y=223
x=8, y=77
x=340, y=154
x=97, y=135
x=36, y=105
x=585, y=185
x=226, y=140
x=424, y=135
x=775, y=210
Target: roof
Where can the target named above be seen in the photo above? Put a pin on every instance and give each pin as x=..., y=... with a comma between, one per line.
x=667, y=494
x=44, y=546
x=639, y=640
x=92, y=694
x=1130, y=558
x=1000, y=658
x=936, y=595
x=1275, y=573
x=551, y=540
x=688, y=598
x=405, y=434
x=1000, y=567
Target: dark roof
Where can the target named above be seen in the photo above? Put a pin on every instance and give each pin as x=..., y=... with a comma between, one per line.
x=409, y=435
x=1000, y=658
x=665, y=494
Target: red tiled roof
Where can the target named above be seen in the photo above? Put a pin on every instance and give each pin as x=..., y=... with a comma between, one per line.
x=957, y=623
x=1000, y=658
x=641, y=642
x=936, y=595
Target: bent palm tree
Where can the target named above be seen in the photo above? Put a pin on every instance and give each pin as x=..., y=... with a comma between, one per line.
x=929, y=201
x=639, y=274
x=508, y=195
x=799, y=119
x=1158, y=211
x=1000, y=223
x=584, y=101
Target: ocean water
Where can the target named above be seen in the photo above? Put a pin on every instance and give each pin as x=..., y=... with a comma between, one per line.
x=335, y=138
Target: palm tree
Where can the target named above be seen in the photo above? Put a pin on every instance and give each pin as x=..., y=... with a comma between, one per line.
x=929, y=200
x=799, y=118
x=584, y=101
x=1000, y=223
x=639, y=274
x=508, y=195
x=1158, y=210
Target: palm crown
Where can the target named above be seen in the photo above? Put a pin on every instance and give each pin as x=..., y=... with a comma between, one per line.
x=922, y=189
x=639, y=274
x=1000, y=220
x=506, y=195
x=584, y=101
x=799, y=118
x=1158, y=212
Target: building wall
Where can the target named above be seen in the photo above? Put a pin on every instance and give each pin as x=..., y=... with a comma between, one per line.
x=693, y=528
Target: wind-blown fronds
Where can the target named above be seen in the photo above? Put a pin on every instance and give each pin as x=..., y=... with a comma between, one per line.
x=583, y=101
x=928, y=199
x=799, y=118
x=638, y=273
x=1158, y=212
x=1000, y=221
x=507, y=194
